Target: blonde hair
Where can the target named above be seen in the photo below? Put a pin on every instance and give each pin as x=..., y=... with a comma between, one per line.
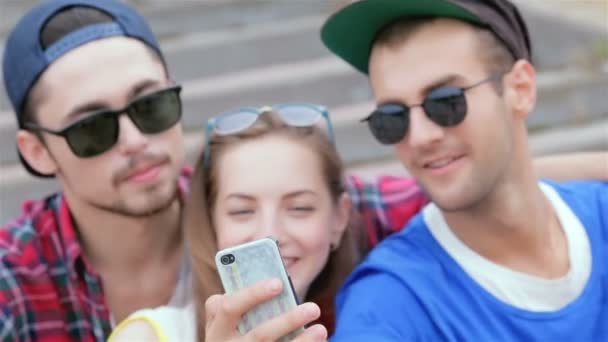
x=201, y=237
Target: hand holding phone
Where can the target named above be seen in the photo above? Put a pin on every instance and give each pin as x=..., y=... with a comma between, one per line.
x=224, y=312
x=259, y=298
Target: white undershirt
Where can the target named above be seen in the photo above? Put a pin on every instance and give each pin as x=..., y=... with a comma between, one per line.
x=520, y=289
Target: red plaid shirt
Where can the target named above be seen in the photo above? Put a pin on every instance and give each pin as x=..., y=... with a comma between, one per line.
x=49, y=293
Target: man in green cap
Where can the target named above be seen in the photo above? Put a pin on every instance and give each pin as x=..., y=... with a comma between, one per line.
x=497, y=255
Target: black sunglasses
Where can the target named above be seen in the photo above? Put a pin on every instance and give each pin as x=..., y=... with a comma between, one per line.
x=445, y=106
x=98, y=132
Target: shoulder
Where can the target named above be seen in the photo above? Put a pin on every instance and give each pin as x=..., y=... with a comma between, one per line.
x=164, y=323
x=135, y=330
x=408, y=252
x=588, y=199
x=580, y=187
x=22, y=250
x=382, y=299
x=20, y=237
x=34, y=214
x=22, y=264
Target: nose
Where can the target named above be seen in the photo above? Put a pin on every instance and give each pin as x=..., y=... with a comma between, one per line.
x=271, y=224
x=423, y=132
x=130, y=139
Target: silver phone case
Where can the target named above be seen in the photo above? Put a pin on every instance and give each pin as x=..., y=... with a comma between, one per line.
x=255, y=261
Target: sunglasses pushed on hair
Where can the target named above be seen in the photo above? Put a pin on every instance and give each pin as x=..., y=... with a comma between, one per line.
x=293, y=114
x=97, y=132
x=446, y=106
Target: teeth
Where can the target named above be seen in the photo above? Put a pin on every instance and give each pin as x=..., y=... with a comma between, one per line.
x=440, y=163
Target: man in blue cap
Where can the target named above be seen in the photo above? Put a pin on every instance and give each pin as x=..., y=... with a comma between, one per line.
x=96, y=109
x=497, y=255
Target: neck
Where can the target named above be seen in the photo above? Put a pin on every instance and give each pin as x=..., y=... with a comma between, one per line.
x=127, y=244
x=515, y=225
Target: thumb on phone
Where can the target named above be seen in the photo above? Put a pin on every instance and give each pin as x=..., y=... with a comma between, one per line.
x=223, y=312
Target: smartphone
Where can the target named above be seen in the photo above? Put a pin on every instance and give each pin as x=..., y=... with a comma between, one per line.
x=246, y=264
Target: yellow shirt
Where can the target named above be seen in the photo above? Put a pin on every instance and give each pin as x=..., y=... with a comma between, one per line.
x=168, y=323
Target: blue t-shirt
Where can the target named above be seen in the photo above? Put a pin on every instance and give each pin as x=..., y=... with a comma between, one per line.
x=410, y=288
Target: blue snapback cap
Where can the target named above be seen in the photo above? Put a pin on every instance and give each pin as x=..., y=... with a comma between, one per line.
x=25, y=59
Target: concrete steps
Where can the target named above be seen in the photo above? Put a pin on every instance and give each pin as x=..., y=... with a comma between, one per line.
x=232, y=53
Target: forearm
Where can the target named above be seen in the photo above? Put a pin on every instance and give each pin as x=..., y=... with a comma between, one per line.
x=571, y=166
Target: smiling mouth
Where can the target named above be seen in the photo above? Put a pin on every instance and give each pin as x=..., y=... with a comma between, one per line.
x=441, y=163
x=144, y=173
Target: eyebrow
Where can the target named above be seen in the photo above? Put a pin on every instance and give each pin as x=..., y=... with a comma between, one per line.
x=240, y=196
x=289, y=195
x=445, y=80
x=299, y=193
x=96, y=105
x=442, y=81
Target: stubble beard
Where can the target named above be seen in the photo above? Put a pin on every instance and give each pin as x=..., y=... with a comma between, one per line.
x=123, y=208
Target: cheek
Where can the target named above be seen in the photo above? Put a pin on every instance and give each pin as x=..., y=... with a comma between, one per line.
x=86, y=173
x=173, y=141
x=402, y=152
x=313, y=235
x=222, y=234
x=490, y=127
x=229, y=233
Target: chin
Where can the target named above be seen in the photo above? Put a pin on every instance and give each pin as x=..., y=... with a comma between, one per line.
x=149, y=204
x=457, y=200
x=450, y=206
x=450, y=199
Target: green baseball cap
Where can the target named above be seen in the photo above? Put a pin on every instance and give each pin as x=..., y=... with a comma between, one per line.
x=350, y=32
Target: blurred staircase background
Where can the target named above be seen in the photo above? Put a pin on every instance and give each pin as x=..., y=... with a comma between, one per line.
x=233, y=53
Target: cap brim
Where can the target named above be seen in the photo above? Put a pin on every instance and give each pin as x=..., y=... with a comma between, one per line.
x=350, y=32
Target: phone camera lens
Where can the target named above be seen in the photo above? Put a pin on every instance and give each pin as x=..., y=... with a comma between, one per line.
x=227, y=259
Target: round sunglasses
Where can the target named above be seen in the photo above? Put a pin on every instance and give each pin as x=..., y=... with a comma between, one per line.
x=446, y=106
x=97, y=132
x=293, y=114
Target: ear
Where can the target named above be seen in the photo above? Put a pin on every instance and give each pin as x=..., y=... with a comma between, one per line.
x=520, y=88
x=35, y=152
x=343, y=208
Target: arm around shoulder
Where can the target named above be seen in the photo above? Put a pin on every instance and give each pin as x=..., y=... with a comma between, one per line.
x=572, y=166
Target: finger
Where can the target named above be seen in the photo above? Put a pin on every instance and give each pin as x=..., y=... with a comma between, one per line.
x=314, y=333
x=279, y=326
x=211, y=306
x=234, y=306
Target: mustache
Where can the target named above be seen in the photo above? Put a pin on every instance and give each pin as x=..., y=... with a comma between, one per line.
x=137, y=161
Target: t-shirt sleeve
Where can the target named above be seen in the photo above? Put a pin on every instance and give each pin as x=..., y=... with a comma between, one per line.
x=376, y=306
